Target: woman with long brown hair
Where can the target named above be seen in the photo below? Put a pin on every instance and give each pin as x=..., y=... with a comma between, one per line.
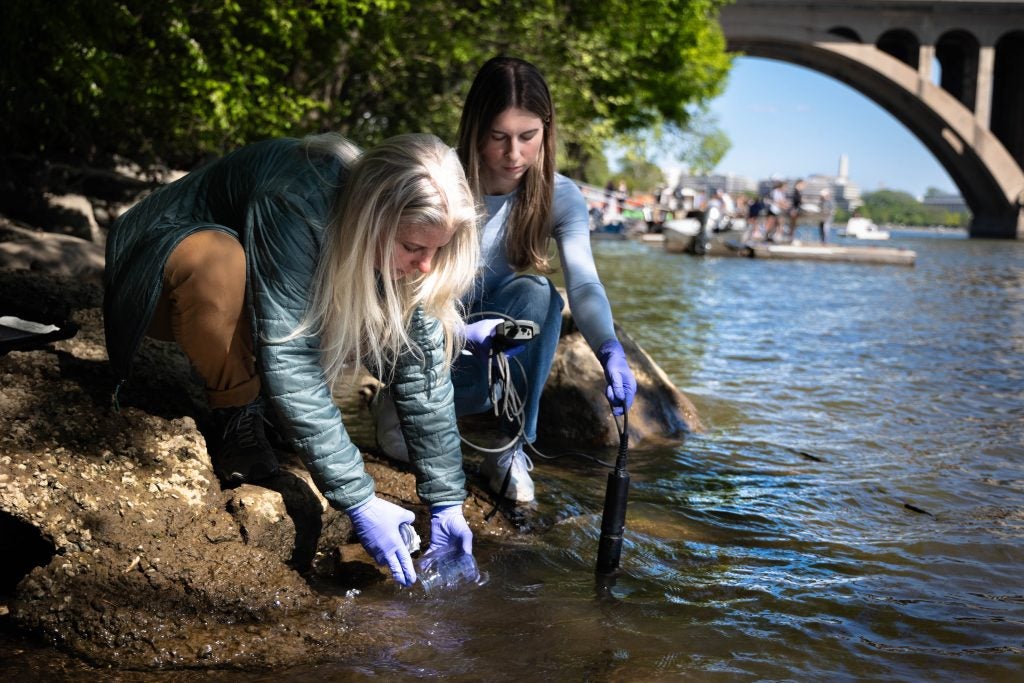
x=507, y=142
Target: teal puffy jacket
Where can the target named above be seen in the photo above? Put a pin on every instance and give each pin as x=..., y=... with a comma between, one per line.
x=275, y=197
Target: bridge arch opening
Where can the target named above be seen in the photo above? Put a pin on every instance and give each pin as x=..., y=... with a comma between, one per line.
x=901, y=44
x=957, y=53
x=978, y=141
x=789, y=120
x=845, y=32
x=1008, y=94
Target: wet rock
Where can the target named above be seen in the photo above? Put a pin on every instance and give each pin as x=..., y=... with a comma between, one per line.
x=575, y=412
x=263, y=520
x=50, y=253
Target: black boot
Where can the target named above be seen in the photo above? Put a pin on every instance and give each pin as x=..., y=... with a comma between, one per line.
x=244, y=454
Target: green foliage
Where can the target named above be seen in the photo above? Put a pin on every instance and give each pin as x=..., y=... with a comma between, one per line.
x=710, y=151
x=702, y=145
x=174, y=81
x=596, y=171
x=641, y=175
x=153, y=79
x=635, y=168
x=893, y=207
x=626, y=66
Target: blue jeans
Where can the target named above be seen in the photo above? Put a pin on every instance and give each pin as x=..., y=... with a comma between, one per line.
x=526, y=297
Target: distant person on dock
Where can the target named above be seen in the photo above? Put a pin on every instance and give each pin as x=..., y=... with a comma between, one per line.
x=796, y=205
x=507, y=143
x=778, y=207
x=728, y=203
x=721, y=209
x=828, y=213
x=757, y=211
x=610, y=192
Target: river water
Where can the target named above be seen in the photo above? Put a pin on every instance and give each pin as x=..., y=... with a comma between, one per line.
x=853, y=512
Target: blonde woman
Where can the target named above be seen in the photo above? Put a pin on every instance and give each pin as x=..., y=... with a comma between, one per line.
x=282, y=266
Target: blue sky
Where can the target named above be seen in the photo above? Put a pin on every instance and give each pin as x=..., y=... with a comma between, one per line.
x=791, y=121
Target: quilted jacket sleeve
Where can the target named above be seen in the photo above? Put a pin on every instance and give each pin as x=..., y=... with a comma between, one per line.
x=424, y=400
x=284, y=244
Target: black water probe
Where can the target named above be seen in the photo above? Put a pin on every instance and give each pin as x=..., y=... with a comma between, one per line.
x=613, y=520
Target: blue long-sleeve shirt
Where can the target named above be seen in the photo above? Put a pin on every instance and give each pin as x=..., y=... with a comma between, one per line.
x=571, y=231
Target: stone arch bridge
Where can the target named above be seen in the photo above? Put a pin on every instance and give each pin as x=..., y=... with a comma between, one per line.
x=972, y=119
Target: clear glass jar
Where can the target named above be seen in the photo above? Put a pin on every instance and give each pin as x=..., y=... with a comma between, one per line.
x=447, y=571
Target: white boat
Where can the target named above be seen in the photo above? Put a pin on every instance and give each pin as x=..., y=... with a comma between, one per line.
x=687, y=236
x=680, y=234
x=862, y=228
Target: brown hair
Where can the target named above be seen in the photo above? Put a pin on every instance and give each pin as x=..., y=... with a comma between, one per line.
x=504, y=82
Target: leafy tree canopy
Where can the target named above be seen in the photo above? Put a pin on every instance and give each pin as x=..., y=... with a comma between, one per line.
x=641, y=175
x=701, y=145
x=174, y=81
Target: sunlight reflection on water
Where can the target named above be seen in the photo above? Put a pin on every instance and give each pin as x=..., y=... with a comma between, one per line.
x=852, y=513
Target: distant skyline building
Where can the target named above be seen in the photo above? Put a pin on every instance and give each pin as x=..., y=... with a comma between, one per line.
x=953, y=203
x=846, y=194
x=731, y=183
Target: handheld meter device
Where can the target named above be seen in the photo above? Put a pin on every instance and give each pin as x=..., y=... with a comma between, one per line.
x=514, y=332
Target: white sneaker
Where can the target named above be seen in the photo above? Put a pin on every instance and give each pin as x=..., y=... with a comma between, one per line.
x=497, y=465
x=389, y=431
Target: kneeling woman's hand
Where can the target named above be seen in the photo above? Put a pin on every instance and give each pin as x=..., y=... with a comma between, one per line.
x=481, y=336
x=377, y=523
x=621, y=383
x=449, y=531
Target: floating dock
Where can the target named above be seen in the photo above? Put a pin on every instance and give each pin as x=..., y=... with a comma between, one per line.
x=730, y=244
x=827, y=252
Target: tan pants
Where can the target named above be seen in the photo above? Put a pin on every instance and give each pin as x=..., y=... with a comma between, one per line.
x=202, y=308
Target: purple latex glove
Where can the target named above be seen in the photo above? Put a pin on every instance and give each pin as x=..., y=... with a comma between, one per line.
x=621, y=382
x=449, y=530
x=376, y=524
x=480, y=338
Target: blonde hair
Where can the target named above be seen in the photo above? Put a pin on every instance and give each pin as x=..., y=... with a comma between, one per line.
x=504, y=82
x=358, y=311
